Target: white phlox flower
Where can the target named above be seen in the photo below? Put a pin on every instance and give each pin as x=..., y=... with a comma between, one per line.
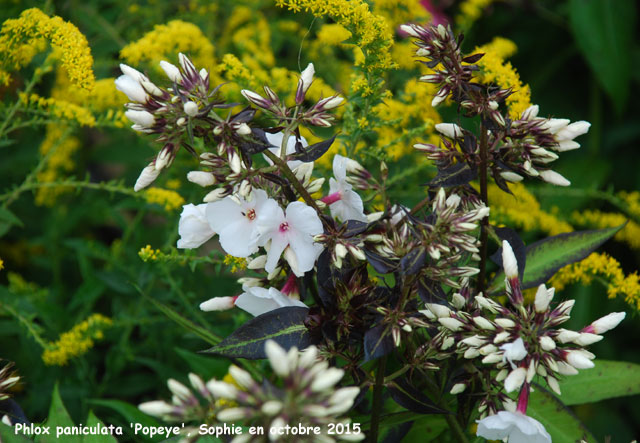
x=515, y=427
x=513, y=351
x=291, y=233
x=256, y=300
x=344, y=203
x=194, y=229
x=131, y=84
x=235, y=221
x=276, y=140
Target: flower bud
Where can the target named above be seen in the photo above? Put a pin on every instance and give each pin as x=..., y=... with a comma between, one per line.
x=156, y=408
x=554, y=178
x=172, y=71
x=201, y=178
x=191, y=108
x=509, y=261
x=147, y=176
x=218, y=304
x=450, y=130
x=607, y=322
x=515, y=379
x=579, y=360
x=543, y=298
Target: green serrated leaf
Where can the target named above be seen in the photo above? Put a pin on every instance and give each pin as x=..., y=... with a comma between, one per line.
x=58, y=416
x=604, y=32
x=608, y=379
x=284, y=325
x=558, y=420
x=546, y=256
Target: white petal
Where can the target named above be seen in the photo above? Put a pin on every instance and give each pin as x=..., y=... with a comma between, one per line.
x=132, y=89
x=194, y=229
x=257, y=301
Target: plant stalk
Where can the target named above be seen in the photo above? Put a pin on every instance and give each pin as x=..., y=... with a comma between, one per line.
x=485, y=200
x=376, y=406
x=286, y=171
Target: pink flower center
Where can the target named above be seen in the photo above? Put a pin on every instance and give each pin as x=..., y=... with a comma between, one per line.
x=284, y=227
x=251, y=214
x=331, y=198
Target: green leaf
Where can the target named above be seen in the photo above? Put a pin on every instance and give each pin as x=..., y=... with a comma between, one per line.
x=608, y=379
x=130, y=413
x=283, y=325
x=8, y=435
x=604, y=32
x=58, y=416
x=546, y=256
x=93, y=421
x=557, y=419
x=179, y=319
x=205, y=367
x=8, y=219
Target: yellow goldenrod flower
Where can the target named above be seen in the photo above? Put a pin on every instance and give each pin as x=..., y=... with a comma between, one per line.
x=494, y=69
x=1, y=264
x=171, y=200
x=332, y=34
x=523, y=211
x=21, y=38
x=77, y=341
x=603, y=266
x=371, y=31
x=470, y=11
x=399, y=12
x=149, y=254
x=237, y=263
x=59, y=108
x=630, y=234
x=164, y=42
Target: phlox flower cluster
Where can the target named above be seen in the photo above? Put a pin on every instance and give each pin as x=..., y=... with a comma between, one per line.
x=311, y=398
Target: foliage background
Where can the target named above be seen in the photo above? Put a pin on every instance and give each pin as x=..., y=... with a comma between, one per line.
x=76, y=252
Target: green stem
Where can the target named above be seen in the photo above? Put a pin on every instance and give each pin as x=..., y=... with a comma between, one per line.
x=14, y=108
x=485, y=200
x=286, y=171
x=451, y=419
x=376, y=406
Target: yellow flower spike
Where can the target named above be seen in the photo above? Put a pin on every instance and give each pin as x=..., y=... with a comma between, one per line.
x=494, y=69
x=1, y=264
x=604, y=266
x=23, y=37
x=470, y=12
x=164, y=42
x=523, y=211
x=77, y=341
x=371, y=31
x=399, y=12
x=630, y=234
x=170, y=200
x=149, y=254
x=237, y=263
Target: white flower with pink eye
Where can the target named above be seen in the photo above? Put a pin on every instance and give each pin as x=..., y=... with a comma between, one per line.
x=291, y=233
x=276, y=140
x=235, y=220
x=516, y=427
x=194, y=229
x=344, y=203
x=256, y=300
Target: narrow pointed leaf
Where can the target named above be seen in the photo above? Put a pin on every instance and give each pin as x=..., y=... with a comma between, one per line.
x=377, y=343
x=58, y=416
x=314, y=151
x=456, y=175
x=284, y=325
x=545, y=257
x=558, y=420
x=407, y=396
x=413, y=262
x=608, y=379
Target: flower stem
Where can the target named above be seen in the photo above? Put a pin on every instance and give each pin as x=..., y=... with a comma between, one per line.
x=376, y=406
x=483, y=195
x=284, y=168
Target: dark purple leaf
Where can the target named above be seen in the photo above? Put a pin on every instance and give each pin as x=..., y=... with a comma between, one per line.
x=314, y=152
